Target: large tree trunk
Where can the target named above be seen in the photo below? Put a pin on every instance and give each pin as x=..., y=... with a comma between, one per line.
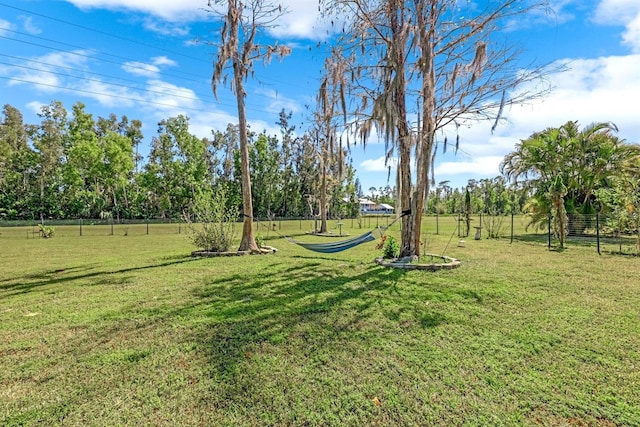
x=425, y=138
x=248, y=241
x=398, y=61
x=406, y=241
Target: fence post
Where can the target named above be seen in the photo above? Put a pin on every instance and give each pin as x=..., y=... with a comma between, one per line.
x=512, y=215
x=147, y=226
x=111, y=226
x=598, y=232
x=80, y=227
x=549, y=233
x=458, y=224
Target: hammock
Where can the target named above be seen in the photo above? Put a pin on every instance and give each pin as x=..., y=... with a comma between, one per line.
x=343, y=245
x=333, y=247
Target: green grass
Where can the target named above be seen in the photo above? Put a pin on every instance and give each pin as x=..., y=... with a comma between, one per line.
x=130, y=330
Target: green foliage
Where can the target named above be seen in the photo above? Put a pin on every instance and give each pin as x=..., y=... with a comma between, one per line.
x=565, y=167
x=391, y=248
x=75, y=166
x=213, y=224
x=46, y=231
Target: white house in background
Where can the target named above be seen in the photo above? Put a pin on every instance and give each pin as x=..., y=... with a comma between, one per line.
x=387, y=209
x=368, y=207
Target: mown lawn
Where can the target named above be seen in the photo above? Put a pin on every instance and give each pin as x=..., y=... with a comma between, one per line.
x=130, y=330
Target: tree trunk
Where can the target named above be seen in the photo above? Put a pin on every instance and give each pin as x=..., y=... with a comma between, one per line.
x=425, y=138
x=323, y=199
x=248, y=241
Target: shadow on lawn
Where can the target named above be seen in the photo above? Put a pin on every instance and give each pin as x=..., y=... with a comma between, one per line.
x=311, y=306
x=30, y=282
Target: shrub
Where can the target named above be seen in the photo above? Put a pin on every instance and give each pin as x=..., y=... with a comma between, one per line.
x=46, y=231
x=213, y=226
x=391, y=248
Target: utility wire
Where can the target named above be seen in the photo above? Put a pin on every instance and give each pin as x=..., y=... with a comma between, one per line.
x=111, y=95
x=104, y=33
x=163, y=88
x=138, y=42
x=88, y=56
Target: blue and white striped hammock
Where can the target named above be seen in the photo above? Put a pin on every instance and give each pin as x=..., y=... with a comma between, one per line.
x=333, y=247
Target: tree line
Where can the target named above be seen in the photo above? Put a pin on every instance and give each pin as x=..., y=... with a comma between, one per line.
x=71, y=165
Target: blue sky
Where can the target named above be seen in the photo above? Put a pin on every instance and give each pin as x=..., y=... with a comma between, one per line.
x=150, y=59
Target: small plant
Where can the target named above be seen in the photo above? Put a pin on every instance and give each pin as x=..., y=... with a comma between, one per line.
x=46, y=231
x=213, y=228
x=391, y=248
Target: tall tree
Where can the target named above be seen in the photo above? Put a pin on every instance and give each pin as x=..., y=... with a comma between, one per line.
x=240, y=46
x=16, y=165
x=289, y=196
x=48, y=140
x=445, y=57
x=567, y=162
x=330, y=105
x=177, y=168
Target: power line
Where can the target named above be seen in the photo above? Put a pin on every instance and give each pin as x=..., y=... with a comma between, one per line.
x=97, y=57
x=281, y=82
x=85, y=49
x=163, y=88
x=69, y=68
x=103, y=32
x=111, y=95
x=99, y=81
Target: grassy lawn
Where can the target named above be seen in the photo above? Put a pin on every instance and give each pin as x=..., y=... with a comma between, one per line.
x=130, y=330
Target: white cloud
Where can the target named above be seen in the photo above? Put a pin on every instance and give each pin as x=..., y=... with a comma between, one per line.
x=163, y=60
x=301, y=21
x=591, y=90
x=631, y=37
x=41, y=75
x=141, y=69
x=480, y=167
x=378, y=164
x=165, y=28
x=169, y=98
x=109, y=95
x=28, y=25
x=4, y=26
x=170, y=10
x=276, y=101
x=35, y=106
x=625, y=13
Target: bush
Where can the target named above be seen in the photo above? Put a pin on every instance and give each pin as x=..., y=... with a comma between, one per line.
x=46, y=231
x=391, y=248
x=213, y=226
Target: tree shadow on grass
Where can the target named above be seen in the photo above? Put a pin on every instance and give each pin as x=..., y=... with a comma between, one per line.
x=30, y=282
x=314, y=305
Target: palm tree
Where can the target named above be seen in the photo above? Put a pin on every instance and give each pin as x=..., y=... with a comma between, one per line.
x=577, y=161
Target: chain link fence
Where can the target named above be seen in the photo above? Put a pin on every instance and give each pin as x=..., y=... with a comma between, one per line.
x=605, y=234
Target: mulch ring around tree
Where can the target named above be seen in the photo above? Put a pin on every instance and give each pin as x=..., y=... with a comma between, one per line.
x=413, y=263
x=263, y=251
